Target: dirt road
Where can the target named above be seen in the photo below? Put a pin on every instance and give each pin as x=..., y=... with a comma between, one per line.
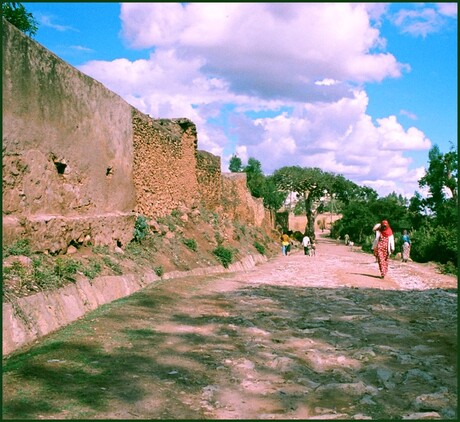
x=296, y=338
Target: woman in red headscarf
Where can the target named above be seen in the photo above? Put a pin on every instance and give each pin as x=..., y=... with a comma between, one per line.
x=384, y=245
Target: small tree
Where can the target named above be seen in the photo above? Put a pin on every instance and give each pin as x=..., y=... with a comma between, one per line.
x=235, y=164
x=17, y=15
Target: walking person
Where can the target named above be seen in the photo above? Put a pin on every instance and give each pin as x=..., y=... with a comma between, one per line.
x=405, y=253
x=384, y=245
x=285, y=243
x=306, y=244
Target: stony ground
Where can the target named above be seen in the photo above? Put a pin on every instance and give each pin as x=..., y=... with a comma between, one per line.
x=296, y=338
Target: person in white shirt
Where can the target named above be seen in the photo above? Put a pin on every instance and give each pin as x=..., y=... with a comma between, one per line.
x=306, y=244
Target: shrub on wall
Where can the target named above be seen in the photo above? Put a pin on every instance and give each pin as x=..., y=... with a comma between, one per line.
x=260, y=247
x=141, y=228
x=224, y=255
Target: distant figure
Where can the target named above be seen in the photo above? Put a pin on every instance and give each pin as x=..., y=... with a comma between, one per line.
x=351, y=244
x=306, y=244
x=285, y=243
x=405, y=246
x=347, y=239
x=384, y=245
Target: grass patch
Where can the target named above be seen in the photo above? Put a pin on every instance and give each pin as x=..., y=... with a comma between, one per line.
x=191, y=244
x=21, y=247
x=114, y=266
x=93, y=269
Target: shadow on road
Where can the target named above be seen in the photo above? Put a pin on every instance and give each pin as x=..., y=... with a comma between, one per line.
x=176, y=351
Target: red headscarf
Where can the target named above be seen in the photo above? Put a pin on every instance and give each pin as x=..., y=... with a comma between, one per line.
x=385, y=228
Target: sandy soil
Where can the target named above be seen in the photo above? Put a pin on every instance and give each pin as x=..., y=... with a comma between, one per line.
x=299, y=337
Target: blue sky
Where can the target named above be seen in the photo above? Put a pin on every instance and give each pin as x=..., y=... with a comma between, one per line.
x=359, y=89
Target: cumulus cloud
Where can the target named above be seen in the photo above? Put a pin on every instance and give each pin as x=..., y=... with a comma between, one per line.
x=280, y=82
x=265, y=49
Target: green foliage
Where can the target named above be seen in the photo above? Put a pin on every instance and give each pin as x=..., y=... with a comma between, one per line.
x=298, y=236
x=357, y=221
x=66, y=268
x=93, y=269
x=141, y=228
x=114, y=266
x=21, y=247
x=260, y=247
x=437, y=244
x=17, y=15
x=235, y=164
x=159, y=271
x=191, y=244
x=448, y=268
x=273, y=197
x=441, y=176
x=255, y=178
x=223, y=255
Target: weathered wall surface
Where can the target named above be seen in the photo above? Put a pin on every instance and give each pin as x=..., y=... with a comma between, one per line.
x=79, y=162
x=209, y=180
x=238, y=203
x=67, y=151
x=164, y=164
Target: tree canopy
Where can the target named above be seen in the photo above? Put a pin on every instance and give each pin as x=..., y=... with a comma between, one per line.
x=17, y=15
x=235, y=164
x=311, y=184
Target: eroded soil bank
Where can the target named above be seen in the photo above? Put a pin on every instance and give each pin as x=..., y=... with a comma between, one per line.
x=296, y=338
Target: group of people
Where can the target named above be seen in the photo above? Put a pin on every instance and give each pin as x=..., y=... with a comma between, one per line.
x=309, y=245
x=383, y=246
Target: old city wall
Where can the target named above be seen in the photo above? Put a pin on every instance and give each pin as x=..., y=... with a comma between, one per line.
x=239, y=204
x=67, y=152
x=164, y=164
x=79, y=163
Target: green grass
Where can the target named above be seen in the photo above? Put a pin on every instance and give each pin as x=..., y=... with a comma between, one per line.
x=260, y=247
x=114, y=266
x=21, y=247
x=191, y=244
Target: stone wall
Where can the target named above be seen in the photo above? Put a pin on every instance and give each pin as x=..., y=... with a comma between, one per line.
x=238, y=203
x=67, y=151
x=164, y=164
x=79, y=163
x=209, y=180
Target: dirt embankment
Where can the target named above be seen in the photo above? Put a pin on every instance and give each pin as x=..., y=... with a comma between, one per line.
x=298, y=337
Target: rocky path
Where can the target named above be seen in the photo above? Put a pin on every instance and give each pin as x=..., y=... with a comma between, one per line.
x=297, y=338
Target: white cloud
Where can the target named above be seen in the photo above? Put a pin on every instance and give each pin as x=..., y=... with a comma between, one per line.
x=447, y=9
x=81, y=48
x=425, y=20
x=47, y=21
x=281, y=80
x=253, y=45
x=408, y=114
